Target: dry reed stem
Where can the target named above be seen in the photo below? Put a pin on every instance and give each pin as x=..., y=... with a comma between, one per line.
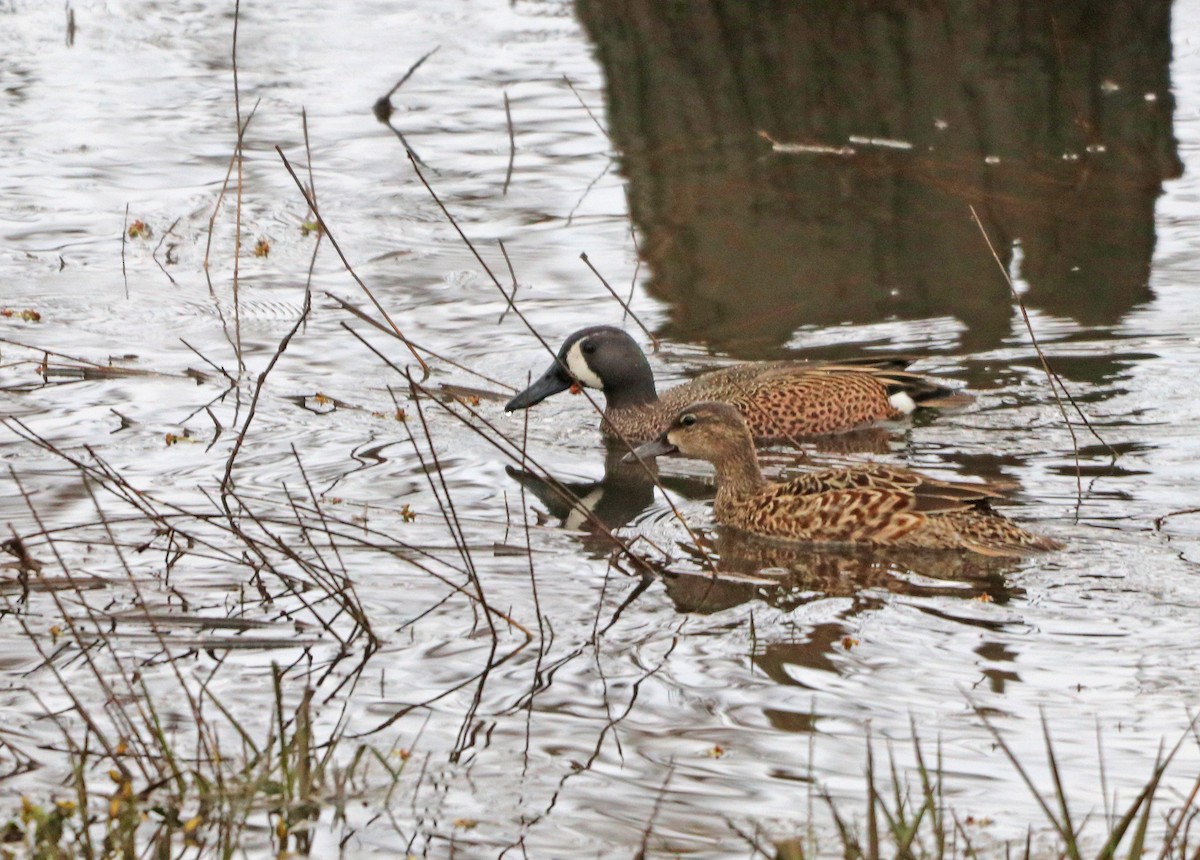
x=362, y=315
x=1051, y=376
x=545, y=345
x=312, y=205
x=154, y=253
x=654, y=341
x=512, y=144
x=124, y=235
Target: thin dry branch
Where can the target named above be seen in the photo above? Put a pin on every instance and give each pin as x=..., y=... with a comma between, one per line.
x=1053, y=378
x=312, y=204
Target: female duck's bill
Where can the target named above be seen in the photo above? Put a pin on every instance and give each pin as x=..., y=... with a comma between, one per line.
x=659, y=447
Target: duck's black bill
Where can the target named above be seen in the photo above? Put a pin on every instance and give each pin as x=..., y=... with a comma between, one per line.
x=657, y=448
x=551, y=382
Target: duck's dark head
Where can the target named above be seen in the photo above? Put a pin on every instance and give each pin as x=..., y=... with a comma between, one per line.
x=600, y=357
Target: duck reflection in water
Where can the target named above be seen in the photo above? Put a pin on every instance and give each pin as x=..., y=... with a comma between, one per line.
x=732, y=567
x=787, y=576
x=626, y=490
x=595, y=508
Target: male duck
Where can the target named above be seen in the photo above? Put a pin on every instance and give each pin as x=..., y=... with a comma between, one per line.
x=780, y=400
x=872, y=504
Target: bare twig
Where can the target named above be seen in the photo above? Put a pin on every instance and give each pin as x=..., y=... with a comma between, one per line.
x=512, y=274
x=383, y=108
x=124, y=234
x=362, y=315
x=227, y=479
x=154, y=255
x=312, y=204
x=584, y=105
x=1053, y=378
x=624, y=305
x=512, y=143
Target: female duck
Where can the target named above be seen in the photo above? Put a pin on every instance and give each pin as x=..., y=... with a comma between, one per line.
x=779, y=400
x=872, y=504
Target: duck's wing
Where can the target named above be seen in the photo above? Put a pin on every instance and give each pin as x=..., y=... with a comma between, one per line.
x=804, y=510
x=896, y=382
x=753, y=369
x=784, y=400
x=927, y=494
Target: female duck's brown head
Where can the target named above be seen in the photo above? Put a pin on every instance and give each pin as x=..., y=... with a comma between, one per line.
x=710, y=431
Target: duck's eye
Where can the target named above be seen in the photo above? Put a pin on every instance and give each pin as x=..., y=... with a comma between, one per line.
x=687, y=420
x=588, y=347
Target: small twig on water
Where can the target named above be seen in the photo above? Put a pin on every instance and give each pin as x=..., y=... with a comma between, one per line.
x=584, y=105
x=383, y=108
x=239, y=159
x=362, y=315
x=124, y=234
x=227, y=479
x=513, y=274
x=512, y=143
x=658, y=800
x=154, y=256
x=312, y=187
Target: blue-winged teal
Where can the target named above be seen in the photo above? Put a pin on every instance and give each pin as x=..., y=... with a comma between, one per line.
x=872, y=504
x=780, y=400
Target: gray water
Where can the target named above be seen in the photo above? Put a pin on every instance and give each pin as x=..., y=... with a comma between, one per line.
x=703, y=711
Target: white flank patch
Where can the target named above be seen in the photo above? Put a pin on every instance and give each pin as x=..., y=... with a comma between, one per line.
x=578, y=366
x=901, y=402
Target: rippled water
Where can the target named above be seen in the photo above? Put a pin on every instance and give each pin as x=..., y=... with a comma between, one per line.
x=700, y=709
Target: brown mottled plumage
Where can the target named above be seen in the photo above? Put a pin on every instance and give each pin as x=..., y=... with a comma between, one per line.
x=873, y=504
x=780, y=400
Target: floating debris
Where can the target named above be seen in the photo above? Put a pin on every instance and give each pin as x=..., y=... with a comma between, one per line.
x=806, y=148
x=884, y=142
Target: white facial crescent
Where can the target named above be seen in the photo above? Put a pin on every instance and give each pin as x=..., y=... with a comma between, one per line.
x=578, y=366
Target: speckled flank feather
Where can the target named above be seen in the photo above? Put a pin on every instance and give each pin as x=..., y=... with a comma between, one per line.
x=874, y=504
x=781, y=400
x=817, y=508
x=785, y=399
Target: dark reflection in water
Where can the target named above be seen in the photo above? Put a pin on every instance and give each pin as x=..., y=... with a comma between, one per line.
x=1053, y=120
x=786, y=575
x=849, y=574
x=781, y=574
x=594, y=508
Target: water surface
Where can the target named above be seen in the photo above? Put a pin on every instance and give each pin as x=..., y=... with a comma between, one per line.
x=721, y=708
